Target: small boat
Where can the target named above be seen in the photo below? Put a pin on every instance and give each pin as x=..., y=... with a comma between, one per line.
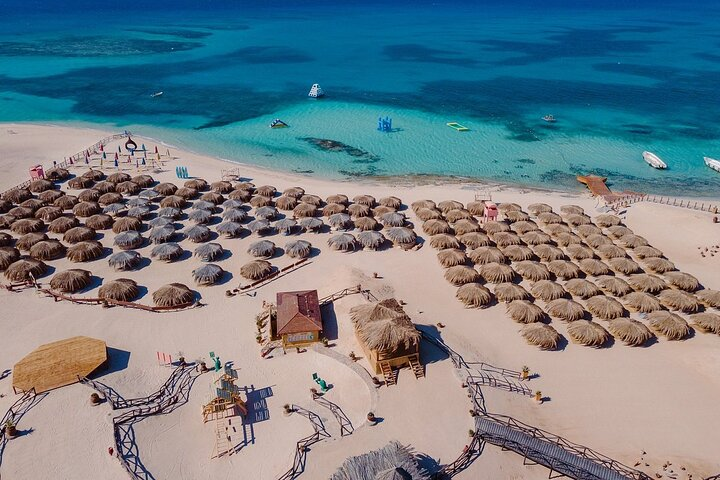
x=277, y=123
x=654, y=161
x=156, y=94
x=458, y=127
x=712, y=163
x=316, y=91
x=549, y=118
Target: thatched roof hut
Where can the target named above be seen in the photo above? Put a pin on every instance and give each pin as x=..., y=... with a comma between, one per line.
x=683, y=281
x=124, y=260
x=541, y=335
x=197, y=233
x=343, y=242
x=474, y=295
x=524, y=311
x=333, y=208
x=577, y=251
x=565, y=309
x=647, y=252
x=200, y=216
x=26, y=242
x=173, y=201
x=465, y=226
x=48, y=214
x=230, y=229
x=579, y=287
x=145, y=181
x=458, y=214
x=208, y=274
x=547, y=290
x=365, y=224
x=588, y=230
x=24, y=269
x=641, y=302
x=522, y=228
x=79, y=234
x=485, y=255
x=548, y=253
x=212, y=197
x=357, y=210
x=235, y=215
x=121, y=289
x=495, y=272
x=549, y=218
x=78, y=183
x=633, y=241
x=504, y=239
x=538, y=208
x=707, y=322
x=86, y=209
x=491, y=227
x=63, y=224
x=624, y=265
x=444, y=240
x=259, y=226
x=678, y=300
x=167, y=252
x=450, y=257
x=605, y=307
x=426, y=214
x=392, y=462
x=256, y=269
x=518, y=253
x=614, y=285
x=709, y=298
x=423, y=204
x=339, y=221
x=8, y=255
x=392, y=219
x=611, y=251
x=128, y=240
x=209, y=252
x=508, y=292
x=161, y=234
x=474, y=239
x=125, y=224
x=596, y=240
x=531, y=270
x=304, y=210
x=48, y=196
x=536, y=238
x=587, y=333
x=436, y=227
x=262, y=249
x=311, y=224
x=338, y=198
x=298, y=249
x=370, y=239
x=594, y=267
x=173, y=295
x=669, y=325
x=66, y=202
x=27, y=225
x=462, y=274
x=647, y=283
x=402, y=236
x=128, y=188
x=70, y=281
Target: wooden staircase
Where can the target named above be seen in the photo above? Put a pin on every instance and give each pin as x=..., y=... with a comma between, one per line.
x=222, y=438
x=416, y=366
x=388, y=374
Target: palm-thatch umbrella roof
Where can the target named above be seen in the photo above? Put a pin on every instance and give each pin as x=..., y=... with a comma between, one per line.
x=624, y=265
x=114, y=208
x=679, y=300
x=425, y=214
x=200, y=216
x=95, y=175
x=33, y=204
x=63, y=224
x=212, y=197
x=538, y=208
x=286, y=225
x=358, y=210
x=402, y=236
x=462, y=274
x=343, y=242
x=565, y=309
x=642, y=302
x=124, y=260
x=139, y=212
x=533, y=271
x=333, y=208
x=66, y=202
x=24, y=269
x=230, y=229
x=49, y=196
x=474, y=295
x=256, y=269
x=549, y=218
x=304, y=210
x=121, y=289
x=465, y=226
x=509, y=207
x=313, y=200
x=119, y=177
x=508, y=292
x=203, y=205
x=388, y=334
x=6, y=239
x=128, y=240
x=48, y=214
x=496, y=272
x=577, y=219
x=578, y=251
x=516, y=216
x=26, y=242
x=222, y=186
x=371, y=240
x=647, y=251
x=167, y=251
x=683, y=281
x=173, y=201
x=523, y=227
x=8, y=255
x=208, y=252
x=392, y=219
x=165, y=188
x=535, y=238
x=234, y=215
x=594, y=267
x=588, y=230
x=173, y=295
x=579, y=287
x=596, y=240
x=339, y=221
x=368, y=200
x=587, y=333
x=366, y=224
x=518, y=253
x=27, y=225
x=57, y=173
x=86, y=209
x=186, y=193
x=79, y=183
x=79, y=234
x=161, y=234
x=633, y=241
x=161, y=222
x=100, y=189
x=197, y=184
x=611, y=251
x=70, y=281
x=630, y=331
x=417, y=205
x=541, y=335
x=503, y=239
x=450, y=257
x=618, y=231
x=109, y=198
x=311, y=224
x=144, y=181
x=547, y=290
x=456, y=214
x=444, y=240
x=607, y=220
x=707, y=322
x=475, y=240
x=710, y=298
x=294, y=192
x=128, y=188
x=548, y=253
x=286, y=203
x=249, y=186
x=381, y=210
x=392, y=462
x=6, y=221
x=262, y=249
x=266, y=190
x=436, y=226
x=207, y=274
x=298, y=249
x=40, y=185
x=197, y=233
x=150, y=195
x=447, y=205
x=267, y=213
x=669, y=325
x=485, y=255
x=227, y=204
x=391, y=201
x=100, y=221
x=476, y=207
x=85, y=251
x=605, y=307
x=557, y=229
x=492, y=227
x=572, y=209
x=614, y=285
x=125, y=224
x=338, y=198
x=524, y=311
x=19, y=213
x=240, y=194
x=138, y=202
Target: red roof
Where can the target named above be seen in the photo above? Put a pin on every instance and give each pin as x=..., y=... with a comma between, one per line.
x=298, y=312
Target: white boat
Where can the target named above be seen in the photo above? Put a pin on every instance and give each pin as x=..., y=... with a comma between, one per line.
x=654, y=161
x=316, y=91
x=712, y=163
x=156, y=94
x=549, y=118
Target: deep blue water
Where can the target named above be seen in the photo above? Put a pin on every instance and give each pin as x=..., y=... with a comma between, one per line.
x=620, y=76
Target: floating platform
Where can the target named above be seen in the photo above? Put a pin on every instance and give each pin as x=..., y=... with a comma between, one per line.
x=458, y=127
x=277, y=123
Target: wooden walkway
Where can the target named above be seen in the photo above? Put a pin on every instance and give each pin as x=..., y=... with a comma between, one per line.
x=599, y=188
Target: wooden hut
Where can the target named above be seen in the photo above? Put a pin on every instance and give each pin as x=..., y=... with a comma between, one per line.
x=299, y=321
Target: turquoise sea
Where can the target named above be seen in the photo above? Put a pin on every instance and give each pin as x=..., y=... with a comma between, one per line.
x=620, y=77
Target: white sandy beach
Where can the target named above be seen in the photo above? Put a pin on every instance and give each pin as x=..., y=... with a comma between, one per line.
x=621, y=401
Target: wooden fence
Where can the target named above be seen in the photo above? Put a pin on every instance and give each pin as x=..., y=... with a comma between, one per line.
x=663, y=200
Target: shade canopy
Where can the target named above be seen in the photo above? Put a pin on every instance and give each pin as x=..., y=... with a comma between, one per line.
x=173, y=295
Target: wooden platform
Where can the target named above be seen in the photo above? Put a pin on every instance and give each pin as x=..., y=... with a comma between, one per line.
x=58, y=364
x=598, y=188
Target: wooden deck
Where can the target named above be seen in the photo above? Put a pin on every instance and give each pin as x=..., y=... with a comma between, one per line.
x=58, y=364
x=599, y=188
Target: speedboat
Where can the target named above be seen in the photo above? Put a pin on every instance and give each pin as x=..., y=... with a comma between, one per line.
x=156, y=94
x=277, y=123
x=549, y=118
x=316, y=91
x=654, y=161
x=712, y=163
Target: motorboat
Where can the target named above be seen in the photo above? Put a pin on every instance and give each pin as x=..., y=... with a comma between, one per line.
x=654, y=161
x=156, y=94
x=277, y=123
x=549, y=118
x=712, y=163
x=316, y=91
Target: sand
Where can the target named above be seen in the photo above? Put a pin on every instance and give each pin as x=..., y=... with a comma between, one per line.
x=620, y=401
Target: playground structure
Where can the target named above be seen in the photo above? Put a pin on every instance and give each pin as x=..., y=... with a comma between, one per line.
x=225, y=400
x=384, y=124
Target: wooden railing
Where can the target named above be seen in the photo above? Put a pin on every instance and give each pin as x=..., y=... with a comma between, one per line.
x=106, y=301
x=345, y=292
x=16, y=411
x=346, y=426
x=302, y=445
x=674, y=202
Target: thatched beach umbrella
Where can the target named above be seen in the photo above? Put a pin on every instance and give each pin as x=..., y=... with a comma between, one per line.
x=594, y=267
x=47, y=197
x=26, y=242
x=435, y=227
x=503, y=239
x=256, y=269
x=365, y=224
x=492, y=227
x=343, y=242
x=25, y=269
x=200, y=216
x=631, y=332
x=286, y=203
x=48, y=214
x=213, y=197
x=8, y=255
x=311, y=224
x=57, y=173
x=605, y=307
x=547, y=290
x=230, y=229
x=624, y=265
x=458, y=214
x=86, y=209
x=105, y=188
x=495, y=272
x=371, y=240
x=173, y=201
x=262, y=249
x=444, y=240
x=114, y=208
x=337, y=198
x=614, y=285
x=226, y=187
x=523, y=311
x=450, y=257
x=541, y=335
x=32, y=204
x=124, y=260
x=266, y=190
x=485, y=255
x=465, y=226
x=313, y=200
x=228, y=204
x=618, y=231
x=587, y=230
x=572, y=209
x=266, y=213
x=557, y=229
x=474, y=295
x=145, y=181
x=197, y=184
x=66, y=202
x=707, y=322
x=587, y=333
x=422, y=204
x=17, y=195
x=139, y=212
x=368, y=200
x=476, y=207
x=161, y=234
x=304, y=210
x=138, y=202
x=151, y=195
x=70, y=281
x=509, y=207
x=27, y=225
x=461, y=274
x=119, y=177
x=518, y=253
x=548, y=253
x=475, y=240
x=85, y=251
x=286, y=225
x=357, y=210
x=298, y=249
x=6, y=221
x=607, y=220
x=78, y=183
x=447, y=205
x=709, y=298
x=524, y=227
x=339, y=221
x=402, y=236
x=167, y=251
x=549, y=218
x=393, y=219
x=565, y=309
x=173, y=295
x=165, y=188
x=611, y=251
x=647, y=283
x=235, y=215
x=239, y=194
x=249, y=186
x=536, y=238
x=426, y=214
x=125, y=224
x=100, y=221
x=678, y=300
x=633, y=241
x=203, y=205
x=533, y=271
x=79, y=234
x=596, y=240
x=197, y=233
x=508, y=292
x=647, y=252
x=577, y=219
x=641, y=302
x=294, y=192
x=578, y=251
x=538, y=208
x=207, y=274
x=683, y=281
x=579, y=287
x=516, y=216
x=382, y=210
x=187, y=193
x=128, y=240
x=392, y=202
x=669, y=325
x=128, y=188
x=208, y=252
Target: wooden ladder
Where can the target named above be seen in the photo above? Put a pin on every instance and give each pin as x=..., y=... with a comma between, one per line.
x=387, y=373
x=417, y=368
x=222, y=438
